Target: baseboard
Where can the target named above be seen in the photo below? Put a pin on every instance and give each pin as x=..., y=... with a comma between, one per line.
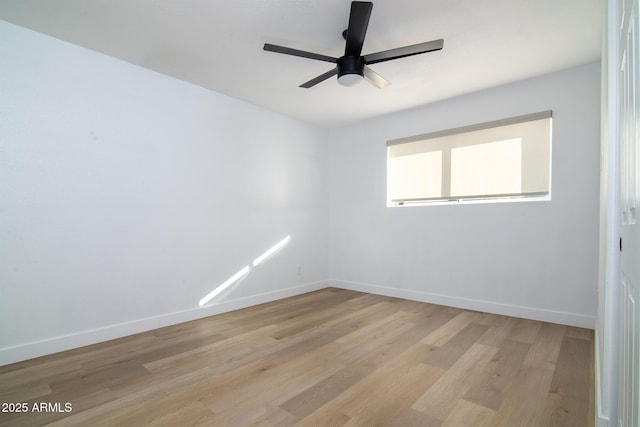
x=563, y=318
x=88, y=337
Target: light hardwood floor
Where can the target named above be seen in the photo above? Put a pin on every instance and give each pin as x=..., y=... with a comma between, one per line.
x=331, y=357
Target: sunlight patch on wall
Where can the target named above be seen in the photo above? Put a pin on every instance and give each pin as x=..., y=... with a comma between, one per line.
x=231, y=280
x=275, y=248
x=245, y=270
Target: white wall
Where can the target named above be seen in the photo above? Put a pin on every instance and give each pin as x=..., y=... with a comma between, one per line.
x=531, y=259
x=126, y=196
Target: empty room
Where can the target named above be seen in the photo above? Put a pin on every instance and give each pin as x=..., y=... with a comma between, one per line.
x=236, y=213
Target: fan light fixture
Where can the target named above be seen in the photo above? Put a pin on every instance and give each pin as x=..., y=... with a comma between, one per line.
x=350, y=79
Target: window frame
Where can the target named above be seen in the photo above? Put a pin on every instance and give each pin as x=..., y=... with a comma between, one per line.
x=447, y=163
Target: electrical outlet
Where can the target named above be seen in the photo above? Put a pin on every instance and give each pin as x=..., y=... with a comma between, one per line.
x=299, y=271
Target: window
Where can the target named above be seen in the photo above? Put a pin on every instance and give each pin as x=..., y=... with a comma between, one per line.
x=507, y=159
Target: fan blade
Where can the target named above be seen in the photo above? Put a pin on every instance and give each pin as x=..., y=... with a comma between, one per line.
x=357, y=29
x=296, y=52
x=375, y=79
x=401, y=52
x=320, y=78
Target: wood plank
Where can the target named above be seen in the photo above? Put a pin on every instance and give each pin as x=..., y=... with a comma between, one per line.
x=28, y=391
x=501, y=372
x=292, y=319
x=217, y=352
x=444, y=357
x=466, y=413
x=498, y=332
x=580, y=333
x=526, y=398
x=318, y=395
x=396, y=387
x=249, y=409
x=375, y=390
x=335, y=418
x=546, y=346
x=525, y=331
x=568, y=400
x=143, y=405
x=441, y=398
x=192, y=414
x=412, y=418
x=276, y=417
x=357, y=344
x=449, y=330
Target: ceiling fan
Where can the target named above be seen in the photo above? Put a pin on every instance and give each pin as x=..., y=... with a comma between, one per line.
x=353, y=67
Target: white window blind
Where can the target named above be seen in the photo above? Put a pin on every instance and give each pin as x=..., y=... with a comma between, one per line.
x=509, y=158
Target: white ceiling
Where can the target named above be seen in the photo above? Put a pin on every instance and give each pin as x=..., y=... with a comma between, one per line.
x=217, y=44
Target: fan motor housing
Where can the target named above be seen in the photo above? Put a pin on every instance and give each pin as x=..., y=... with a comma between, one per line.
x=350, y=65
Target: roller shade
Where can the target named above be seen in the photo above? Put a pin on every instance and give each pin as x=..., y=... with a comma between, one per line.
x=508, y=158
